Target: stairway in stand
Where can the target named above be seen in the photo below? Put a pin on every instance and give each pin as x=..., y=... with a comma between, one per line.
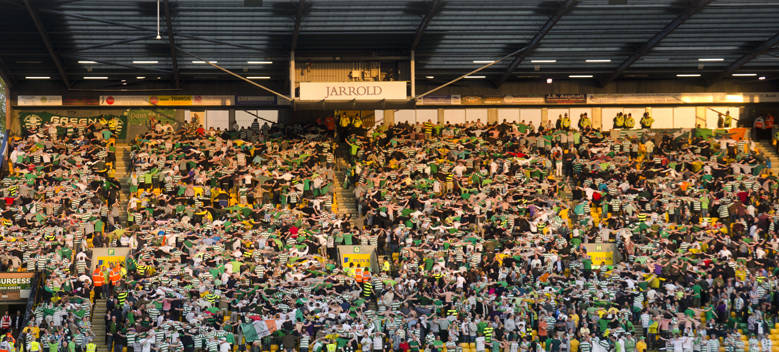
x=98, y=324
x=345, y=202
x=769, y=151
x=122, y=174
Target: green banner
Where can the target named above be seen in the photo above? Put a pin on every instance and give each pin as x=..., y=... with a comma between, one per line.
x=32, y=121
x=15, y=283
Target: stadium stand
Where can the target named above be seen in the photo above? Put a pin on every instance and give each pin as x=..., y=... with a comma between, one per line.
x=482, y=229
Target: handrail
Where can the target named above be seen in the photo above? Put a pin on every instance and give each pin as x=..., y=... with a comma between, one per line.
x=33, y=299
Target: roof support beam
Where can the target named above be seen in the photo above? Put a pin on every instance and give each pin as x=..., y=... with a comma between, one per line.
x=435, y=8
x=550, y=23
x=746, y=58
x=116, y=42
x=298, y=22
x=172, y=44
x=696, y=6
x=149, y=30
x=45, y=38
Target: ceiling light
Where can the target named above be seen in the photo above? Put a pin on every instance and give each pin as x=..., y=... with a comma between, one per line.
x=37, y=77
x=597, y=61
x=715, y=59
x=258, y=77
x=259, y=62
x=744, y=74
x=542, y=61
x=145, y=62
x=762, y=78
x=429, y=77
x=475, y=77
x=202, y=62
x=95, y=77
x=483, y=61
x=548, y=81
x=87, y=62
x=140, y=77
x=688, y=75
x=579, y=76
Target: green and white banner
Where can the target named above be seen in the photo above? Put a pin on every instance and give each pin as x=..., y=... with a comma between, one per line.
x=32, y=121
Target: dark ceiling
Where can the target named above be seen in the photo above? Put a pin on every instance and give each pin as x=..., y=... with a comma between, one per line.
x=633, y=39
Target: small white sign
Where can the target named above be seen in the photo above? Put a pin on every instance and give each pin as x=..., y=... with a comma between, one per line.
x=39, y=100
x=345, y=91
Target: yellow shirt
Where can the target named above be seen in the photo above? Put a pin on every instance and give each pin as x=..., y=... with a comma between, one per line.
x=35, y=346
x=640, y=346
x=574, y=345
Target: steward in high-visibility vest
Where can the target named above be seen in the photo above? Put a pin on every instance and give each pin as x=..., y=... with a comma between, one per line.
x=386, y=267
x=91, y=347
x=646, y=121
x=584, y=121
x=728, y=119
x=566, y=124
x=114, y=276
x=35, y=346
x=619, y=120
x=358, y=275
x=629, y=122
x=98, y=279
x=366, y=275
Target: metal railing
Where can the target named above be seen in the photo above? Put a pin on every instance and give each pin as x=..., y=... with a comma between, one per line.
x=32, y=301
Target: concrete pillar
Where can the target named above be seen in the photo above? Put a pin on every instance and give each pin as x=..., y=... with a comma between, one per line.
x=292, y=75
x=231, y=119
x=441, y=120
x=492, y=116
x=597, y=118
x=389, y=118
x=7, y=107
x=700, y=116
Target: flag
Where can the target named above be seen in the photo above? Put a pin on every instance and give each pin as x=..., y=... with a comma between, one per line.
x=249, y=333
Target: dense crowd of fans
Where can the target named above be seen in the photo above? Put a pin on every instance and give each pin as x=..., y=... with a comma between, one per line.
x=60, y=198
x=482, y=231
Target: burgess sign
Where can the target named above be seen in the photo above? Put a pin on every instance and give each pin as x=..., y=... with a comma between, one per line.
x=345, y=91
x=15, y=286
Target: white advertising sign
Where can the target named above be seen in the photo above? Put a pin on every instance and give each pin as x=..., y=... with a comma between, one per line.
x=345, y=91
x=39, y=100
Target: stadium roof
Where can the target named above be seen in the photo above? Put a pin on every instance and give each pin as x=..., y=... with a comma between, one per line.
x=609, y=39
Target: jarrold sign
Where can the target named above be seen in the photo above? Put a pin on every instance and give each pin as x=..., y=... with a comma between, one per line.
x=345, y=91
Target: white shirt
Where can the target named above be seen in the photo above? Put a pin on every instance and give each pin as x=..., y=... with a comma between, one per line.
x=378, y=343
x=224, y=347
x=677, y=344
x=480, y=343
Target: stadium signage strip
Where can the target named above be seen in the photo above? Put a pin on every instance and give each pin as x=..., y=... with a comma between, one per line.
x=39, y=100
x=346, y=91
x=167, y=100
